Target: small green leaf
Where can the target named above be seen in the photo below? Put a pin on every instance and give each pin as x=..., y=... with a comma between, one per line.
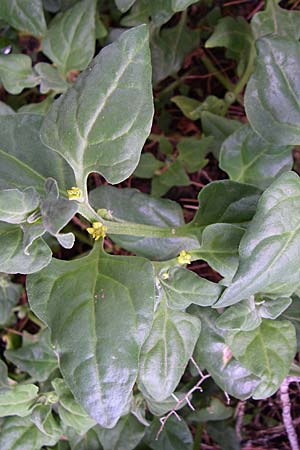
x=17, y=400
x=192, y=152
x=215, y=411
x=275, y=113
x=16, y=73
x=41, y=108
x=267, y=351
x=125, y=435
x=211, y=352
x=70, y=39
x=103, y=315
x=184, y=287
x=37, y=358
x=187, y=105
x=248, y=158
x=124, y=5
x=16, y=205
x=88, y=441
x=269, y=259
x=148, y=165
x=10, y=293
x=175, y=175
x=24, y=15
x=174, y=436
x=244, y=317
x=224, y=435
x=50, y=79
x=167, y=351
x=45, y=421
x=87, y=125
x=292, y=314
x=273, y=308
x=70, y=412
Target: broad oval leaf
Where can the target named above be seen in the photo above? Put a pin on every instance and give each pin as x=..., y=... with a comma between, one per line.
x=24, y=15
x=244, y=317
x=166, y=352
x=97, y=326
x=17, y=400
x=269, y=260
x=24, y=160
x=275, y=113
x=211, y=353
x=101, y=123
x=16, y=73
x=70, y=39
x=267, y=351
x=15, y=205
x=248, y=158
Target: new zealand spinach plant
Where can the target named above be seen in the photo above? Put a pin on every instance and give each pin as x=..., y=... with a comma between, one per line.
x=126, y=348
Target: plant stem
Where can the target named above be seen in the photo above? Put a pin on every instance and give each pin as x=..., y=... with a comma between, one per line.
x=198, y=436
x=246, y=75
x=216, y=72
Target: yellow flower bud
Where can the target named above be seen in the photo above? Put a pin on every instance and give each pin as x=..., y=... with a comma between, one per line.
x=184, y=258
x=74, y=193
x=97, y=231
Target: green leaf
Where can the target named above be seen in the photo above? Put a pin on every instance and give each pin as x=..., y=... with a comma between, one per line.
x=216, y=410
x=174, y=436
x=3, y=375
x=244, y=317
x=181, y=5
x=276, y=20
x=224, y=435
x=19, y=433
x=87, y=125
x=10, y=293
x=166, y=352
x=37, y=358
x=183, y=287
x=248, y=158
x=5, y=109
x=50, y=79
x=103, y=316
x=175, y=175
x=267, y=351
x=134, y=206
x=70, y=39
x=21, y=163
x=219, y=127
x=24, y=15
x=269, y=259
x=16, y=73
x=226, y=202
x=125, y=435
x=187, y=105
x=12, y=256
x=211, y=353
x=45, y=421
x=275, y=113
x=70, y=412
x=169, y=47
x=147, y=166
x=16, y=205
x=17, y=400
x=192, y=152
x=271, y=309
x=38, y=108
x=236, y=36
x=124, y=5
x=88, y=441
x=292, y=314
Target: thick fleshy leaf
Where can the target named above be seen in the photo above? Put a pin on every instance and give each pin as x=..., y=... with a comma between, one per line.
x=102, y=315
x=70, y=412
x=243, y=316
x=276, y=20
x=134, y=206
x=38, y=108
x=16, y=205
x=50, y=79
x=248, y=158
x=269, y=250
x=275, y=113
x=17, y=400
x=267, y=351
x=24, y=15
x=184, y=287
x=88, y=441
x=20, y=433
x=12, y=256
x=38, y=358
x=273, y=308
x=101, y=123
x=232, y=202
x=5, y=109
x=124, y=5
x=169, y=47
x=16, y=73
x=45, y=421
x=9, y=296
x=219, y=127
x=175, y=435
x=24, y=160
x=211, y=352
x=125, y=435
x=167, y=351
x=70, y=39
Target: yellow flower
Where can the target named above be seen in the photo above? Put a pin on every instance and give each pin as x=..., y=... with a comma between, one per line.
x=184, y=258
x=74, y=193
x=97, y=231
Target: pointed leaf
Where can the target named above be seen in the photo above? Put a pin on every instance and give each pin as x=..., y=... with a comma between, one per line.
x=15, y=205
x=175, y=435
x=50, y=79
x=125, y=435
x=244, y=317
x=104, y=317
x=17, y=400
x=24, y=15
x=87, y=125
x=16, y=73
